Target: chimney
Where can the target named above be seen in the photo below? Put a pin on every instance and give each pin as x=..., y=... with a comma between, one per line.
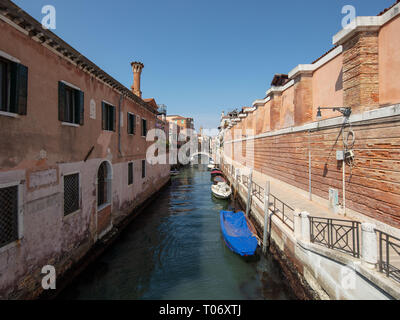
x=137, y=71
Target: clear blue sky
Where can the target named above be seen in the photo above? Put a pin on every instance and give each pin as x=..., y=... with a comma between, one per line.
x=201, y=57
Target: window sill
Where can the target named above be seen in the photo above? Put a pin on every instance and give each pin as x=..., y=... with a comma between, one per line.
x=10, y=245
x=9, y=114
x=103, y=206
x=72, y=214
x=70, y=124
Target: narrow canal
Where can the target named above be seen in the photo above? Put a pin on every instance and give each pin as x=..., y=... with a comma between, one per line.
x=175, y=250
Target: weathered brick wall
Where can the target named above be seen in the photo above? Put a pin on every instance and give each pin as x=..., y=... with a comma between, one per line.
x=361, y=71
x=372, y=184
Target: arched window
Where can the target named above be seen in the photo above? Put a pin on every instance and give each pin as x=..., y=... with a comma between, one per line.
x=103, y=184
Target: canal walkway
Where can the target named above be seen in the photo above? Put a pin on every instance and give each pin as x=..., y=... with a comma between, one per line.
x=175, y=250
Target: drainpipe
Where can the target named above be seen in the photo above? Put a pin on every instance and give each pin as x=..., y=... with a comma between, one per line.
x=309, y=167
x=119, y=124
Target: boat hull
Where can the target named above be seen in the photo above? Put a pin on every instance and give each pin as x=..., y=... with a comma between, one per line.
x=237, y=234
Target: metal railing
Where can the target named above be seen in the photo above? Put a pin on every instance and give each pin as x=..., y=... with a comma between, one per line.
x=282, y=211
x=258, y=191
x=342, y=235
x=389, y=255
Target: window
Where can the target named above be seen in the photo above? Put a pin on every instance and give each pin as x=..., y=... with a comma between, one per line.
x=103, y=184
x=144, y=127
x=71, y=193
x=130, y=173
x=8, y=215
x=70, y=104
x=143, y=168
x=108, y=116
x=131, y=123
x=13, y=87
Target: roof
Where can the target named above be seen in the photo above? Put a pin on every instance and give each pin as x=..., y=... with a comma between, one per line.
x=279, y=80
x=387, y=9
x=34, y=30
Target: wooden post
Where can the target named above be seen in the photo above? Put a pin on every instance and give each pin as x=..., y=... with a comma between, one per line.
x=266, y=217
x=249, y=192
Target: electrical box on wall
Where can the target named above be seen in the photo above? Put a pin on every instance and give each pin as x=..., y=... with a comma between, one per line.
x=340, y=155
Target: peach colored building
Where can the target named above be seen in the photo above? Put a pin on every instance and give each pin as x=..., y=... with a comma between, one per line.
x=362, y=72
x=73, y=153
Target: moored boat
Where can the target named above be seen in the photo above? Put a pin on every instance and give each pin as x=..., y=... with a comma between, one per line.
x=237, y=234
x=211, y=166
x=221, y=190
x=218, y=178
x=174, y=172
x=216, y=172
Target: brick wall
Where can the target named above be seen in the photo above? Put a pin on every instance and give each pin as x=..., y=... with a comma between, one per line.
x=372, y=185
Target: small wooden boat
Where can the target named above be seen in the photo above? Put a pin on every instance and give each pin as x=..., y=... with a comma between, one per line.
x=218, y=178
x=237, y=234
x=216, y=172
x=174, y=172
x=221, y=190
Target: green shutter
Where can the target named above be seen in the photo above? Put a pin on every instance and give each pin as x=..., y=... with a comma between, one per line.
x=19, y=88
x=61, y=101
x=128, y=119
x=103, y=116
x=81, y=106
x=134, y=124
x=114, y=118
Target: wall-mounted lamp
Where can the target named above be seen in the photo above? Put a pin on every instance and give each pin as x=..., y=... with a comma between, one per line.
x=345, y=111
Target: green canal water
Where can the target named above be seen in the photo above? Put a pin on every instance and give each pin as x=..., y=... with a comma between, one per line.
x=175, y=250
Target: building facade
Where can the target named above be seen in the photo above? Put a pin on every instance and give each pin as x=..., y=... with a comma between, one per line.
x=295, y=139
x=73, y=153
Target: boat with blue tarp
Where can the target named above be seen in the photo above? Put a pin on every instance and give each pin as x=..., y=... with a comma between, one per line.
x=237, y=234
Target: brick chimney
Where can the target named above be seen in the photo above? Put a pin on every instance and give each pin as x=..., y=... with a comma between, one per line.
x=137, y=71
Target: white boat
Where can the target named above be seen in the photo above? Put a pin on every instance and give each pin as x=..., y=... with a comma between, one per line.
x=211, y=166
x=174, y=172
x=221, y=190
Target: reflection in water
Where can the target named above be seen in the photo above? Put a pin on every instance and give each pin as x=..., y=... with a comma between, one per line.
x=175, y=250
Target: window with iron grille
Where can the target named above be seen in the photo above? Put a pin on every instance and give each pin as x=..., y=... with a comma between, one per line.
x=71, y=193
x=130, y=173
x=103, y=184
x=143, y=168
x=108, y=117
x=144, y=127
x=13, y=87
x=131, y=123
x=70, y=104
x=8, y=215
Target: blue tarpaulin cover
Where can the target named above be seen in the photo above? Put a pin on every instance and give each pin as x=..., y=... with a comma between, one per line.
x=236, y=233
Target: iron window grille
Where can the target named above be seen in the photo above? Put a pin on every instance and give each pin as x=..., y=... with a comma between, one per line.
x=103, y=185
x=130, y=173
x=8, y=215
x=71, y=193
x=143, y=168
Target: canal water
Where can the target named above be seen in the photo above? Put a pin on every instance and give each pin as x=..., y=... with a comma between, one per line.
x=175, y=250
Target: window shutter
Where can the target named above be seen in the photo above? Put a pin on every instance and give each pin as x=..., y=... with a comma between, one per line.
x=128, y=119
x=114, y=118
x=61, y=101
x=81, y=106
x=103, y=116
x=19, y=88
x=134, y=124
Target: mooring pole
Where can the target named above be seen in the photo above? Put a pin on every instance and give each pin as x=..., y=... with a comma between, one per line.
x=249, y=192
x=266, y=217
